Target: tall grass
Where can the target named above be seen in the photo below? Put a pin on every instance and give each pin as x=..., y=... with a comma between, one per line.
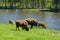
x=8, y=32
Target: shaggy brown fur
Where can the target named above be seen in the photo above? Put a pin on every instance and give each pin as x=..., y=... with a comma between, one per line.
x=42, y=24
x=32, y=22
x=23, y=24
x=11, y=21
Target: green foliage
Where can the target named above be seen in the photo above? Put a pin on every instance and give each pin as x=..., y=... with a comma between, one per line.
x=8, y=32
x=42, y=4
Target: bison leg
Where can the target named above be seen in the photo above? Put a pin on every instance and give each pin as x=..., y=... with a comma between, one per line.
x=17, y=27
x=22, y=27
x=31, y=26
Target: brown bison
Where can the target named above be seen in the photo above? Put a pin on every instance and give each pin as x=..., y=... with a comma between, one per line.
x=32, y=22
x=42, y=24
x=23, y=24
x=11, y=21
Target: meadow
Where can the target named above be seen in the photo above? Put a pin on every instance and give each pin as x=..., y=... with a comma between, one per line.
x=8, y=32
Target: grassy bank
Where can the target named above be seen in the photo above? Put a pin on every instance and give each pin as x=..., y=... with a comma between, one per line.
x=8, y=32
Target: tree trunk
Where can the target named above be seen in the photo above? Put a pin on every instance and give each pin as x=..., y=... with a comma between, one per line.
x=11, y=4
x=38, y=4
x=5, y=3
x=32, y=3
x=21, y=4
x=43, y=4
x=26, y=3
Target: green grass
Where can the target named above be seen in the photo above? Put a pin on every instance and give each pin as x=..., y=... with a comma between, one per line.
x=8, y=32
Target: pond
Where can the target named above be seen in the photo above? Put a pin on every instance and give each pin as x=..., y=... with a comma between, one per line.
x=51, y=19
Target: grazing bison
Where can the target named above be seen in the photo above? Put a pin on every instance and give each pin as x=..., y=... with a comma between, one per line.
x=42, y=24
x=23, y=24
x=11, y=21
x=32, y=22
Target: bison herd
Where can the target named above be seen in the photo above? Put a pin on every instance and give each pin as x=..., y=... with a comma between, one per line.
x=24, y=23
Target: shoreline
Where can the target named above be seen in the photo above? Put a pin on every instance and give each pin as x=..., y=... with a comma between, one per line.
x=44, y=10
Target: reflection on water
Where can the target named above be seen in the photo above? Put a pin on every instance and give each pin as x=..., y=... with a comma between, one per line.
x=50, y=18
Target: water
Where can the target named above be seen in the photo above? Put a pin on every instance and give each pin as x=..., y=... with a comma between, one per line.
x=51, y=19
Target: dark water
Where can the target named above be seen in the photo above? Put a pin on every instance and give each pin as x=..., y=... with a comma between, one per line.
x=51, y=19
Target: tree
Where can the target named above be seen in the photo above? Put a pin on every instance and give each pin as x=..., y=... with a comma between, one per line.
x=5, y=3
x=11, y=3
x=43, y=3
x=21, y=3
x=38, y=3
x=26, y=3
x=56, y=2
x=32, y=3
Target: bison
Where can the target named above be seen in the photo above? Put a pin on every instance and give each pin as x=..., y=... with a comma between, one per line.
x=32, y=22
x=23, y=24
x=11, y=21
x=42, y=24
